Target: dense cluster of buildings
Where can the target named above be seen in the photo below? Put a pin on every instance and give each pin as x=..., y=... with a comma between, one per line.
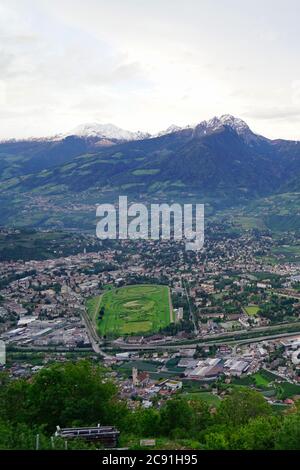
x=58, y=288
x=42, y=307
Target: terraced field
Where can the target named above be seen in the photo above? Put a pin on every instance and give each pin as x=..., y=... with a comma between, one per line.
x=137, y=309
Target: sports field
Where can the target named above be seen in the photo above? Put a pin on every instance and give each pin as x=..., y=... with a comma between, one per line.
x=251, y=310
x=129, y=310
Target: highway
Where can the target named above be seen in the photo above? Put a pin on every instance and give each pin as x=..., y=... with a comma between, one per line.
x=93, y=336
x=199, y=342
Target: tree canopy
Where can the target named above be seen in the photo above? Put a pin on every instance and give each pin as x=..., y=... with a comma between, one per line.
x=82, y=394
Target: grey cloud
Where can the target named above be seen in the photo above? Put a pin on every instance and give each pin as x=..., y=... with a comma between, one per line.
x=273, y=113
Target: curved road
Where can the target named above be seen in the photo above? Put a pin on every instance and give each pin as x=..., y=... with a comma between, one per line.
x=93, y=335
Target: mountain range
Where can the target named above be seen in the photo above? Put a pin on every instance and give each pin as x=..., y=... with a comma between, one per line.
x=220, y=162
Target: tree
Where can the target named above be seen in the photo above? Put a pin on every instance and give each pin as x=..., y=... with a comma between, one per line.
x=19, y=436
x=14, y=401
x=242, y=405
x=202, y=415
x=216, y=441
x=176, y=416
x=71, y=394
x=258, y=434
x=288, y=437
x=150, y=422
x=142, y=422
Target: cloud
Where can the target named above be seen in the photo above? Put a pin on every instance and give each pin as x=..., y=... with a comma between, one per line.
x=142, y=65
x=276, y=113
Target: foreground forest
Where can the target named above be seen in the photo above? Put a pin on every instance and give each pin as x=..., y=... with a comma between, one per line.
x=82, y=394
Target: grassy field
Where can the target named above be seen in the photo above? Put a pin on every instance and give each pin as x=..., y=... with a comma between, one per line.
x=261, y=380
x=288, y=390
x=287, y=253
x=211, y=399
x=33, y=245
x=93, y=307
x=251, y=310
x=131, y=310
x=266, y=381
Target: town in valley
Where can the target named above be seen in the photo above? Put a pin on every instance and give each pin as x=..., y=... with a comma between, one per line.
x=234, y=314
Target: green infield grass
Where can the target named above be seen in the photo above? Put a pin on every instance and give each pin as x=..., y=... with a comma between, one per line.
x=136, y=309
x=251, y=309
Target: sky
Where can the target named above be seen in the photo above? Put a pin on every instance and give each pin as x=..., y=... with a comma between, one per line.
x=146, y=65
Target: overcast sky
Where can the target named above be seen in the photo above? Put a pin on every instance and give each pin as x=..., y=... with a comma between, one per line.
x=144, y=65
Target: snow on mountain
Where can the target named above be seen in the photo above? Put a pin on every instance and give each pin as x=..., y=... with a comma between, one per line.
x=215, y=124
x=238, y=125
x=112, y=132
x=106, y=131
x=171, y=129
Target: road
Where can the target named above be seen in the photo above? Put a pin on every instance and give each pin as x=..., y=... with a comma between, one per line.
x=92, y=334
x=172, y=314
x=199, y=342
x=191, y=316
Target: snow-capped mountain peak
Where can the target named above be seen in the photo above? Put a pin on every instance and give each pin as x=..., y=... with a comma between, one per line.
x=115, y=133
x=171, y=129
x=237, y=124
x=105, y=131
